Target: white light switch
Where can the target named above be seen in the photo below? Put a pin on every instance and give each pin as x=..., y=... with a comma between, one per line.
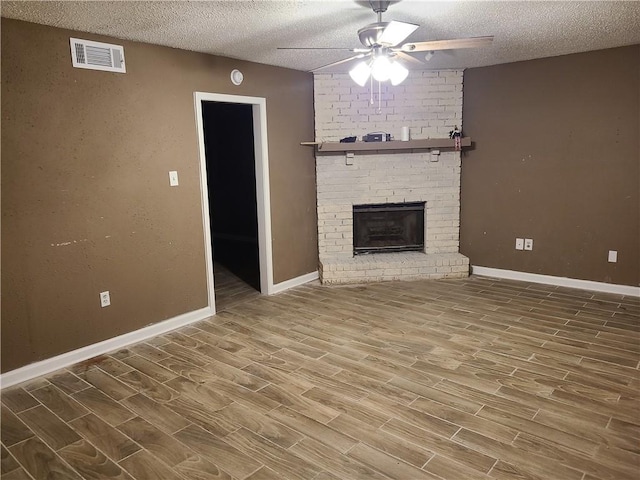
x=173, y=178
x=519, y=243
x=528, y=243
x=613, y=256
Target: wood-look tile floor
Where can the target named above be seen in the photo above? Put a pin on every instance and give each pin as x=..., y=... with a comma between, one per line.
x=451, y=379
x=230, y=289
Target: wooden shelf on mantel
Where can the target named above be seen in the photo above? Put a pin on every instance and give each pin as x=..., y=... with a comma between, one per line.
x=426, y=144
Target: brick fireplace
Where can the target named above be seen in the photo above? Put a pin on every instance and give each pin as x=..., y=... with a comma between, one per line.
x=430, y=103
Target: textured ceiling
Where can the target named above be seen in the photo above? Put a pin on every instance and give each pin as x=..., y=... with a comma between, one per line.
x=252, y=30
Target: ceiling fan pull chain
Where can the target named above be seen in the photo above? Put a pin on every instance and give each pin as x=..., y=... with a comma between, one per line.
x=371, y=90
x=379, y=98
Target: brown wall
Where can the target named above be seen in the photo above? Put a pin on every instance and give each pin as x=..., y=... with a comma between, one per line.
x=556, y=159
x=86, y=204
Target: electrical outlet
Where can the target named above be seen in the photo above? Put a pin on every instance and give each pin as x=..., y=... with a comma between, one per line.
x=519, y=243
x=528, y=243
x=105, y=299
x=613, y=256
x=173, y=178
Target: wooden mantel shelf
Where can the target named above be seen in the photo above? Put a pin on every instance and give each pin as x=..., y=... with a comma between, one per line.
x=426, y=144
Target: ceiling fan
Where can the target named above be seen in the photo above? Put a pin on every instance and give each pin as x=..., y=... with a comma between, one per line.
x=382, y=47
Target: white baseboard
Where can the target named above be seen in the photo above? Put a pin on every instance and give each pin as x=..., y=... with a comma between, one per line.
x=49, y=365
x=294, y=282
x=559, y=281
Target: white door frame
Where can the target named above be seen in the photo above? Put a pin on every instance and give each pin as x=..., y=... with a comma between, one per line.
x=261, y=151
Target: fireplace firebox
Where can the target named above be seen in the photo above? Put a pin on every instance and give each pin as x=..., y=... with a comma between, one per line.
x=388, y=227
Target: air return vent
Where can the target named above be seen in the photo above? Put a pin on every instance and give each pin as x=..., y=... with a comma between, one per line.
x=97, y=56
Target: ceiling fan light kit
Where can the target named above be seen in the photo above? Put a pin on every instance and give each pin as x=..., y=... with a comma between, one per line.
x=360, y=73
x=398, y=73
x=381, y=68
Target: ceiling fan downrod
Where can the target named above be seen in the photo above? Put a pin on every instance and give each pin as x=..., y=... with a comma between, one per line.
x=379, y=7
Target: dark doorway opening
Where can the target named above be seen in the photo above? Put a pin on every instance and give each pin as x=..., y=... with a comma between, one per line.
x=231, y=179
x=388, y=227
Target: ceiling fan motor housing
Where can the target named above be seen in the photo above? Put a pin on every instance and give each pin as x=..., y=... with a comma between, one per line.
x=370, y=35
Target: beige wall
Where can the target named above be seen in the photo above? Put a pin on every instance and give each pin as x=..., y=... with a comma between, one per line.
x=556, y=159
x=86, y=204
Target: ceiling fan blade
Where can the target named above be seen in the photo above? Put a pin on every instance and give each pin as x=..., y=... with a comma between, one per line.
x=315, y=48
x=408, y=58
x=355, y=50
x=360, y=55
x=472, y=42
x=396, y=32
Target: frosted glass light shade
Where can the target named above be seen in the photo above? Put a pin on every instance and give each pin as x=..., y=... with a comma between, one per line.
x=360, y=73
x=381, y=68
x=398, y=73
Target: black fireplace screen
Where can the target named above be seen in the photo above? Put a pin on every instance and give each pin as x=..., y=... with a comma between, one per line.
x=388, y=227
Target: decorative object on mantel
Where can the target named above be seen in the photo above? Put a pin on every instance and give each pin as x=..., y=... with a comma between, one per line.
x=405, y=134
x=456, y=134
x=376, y=137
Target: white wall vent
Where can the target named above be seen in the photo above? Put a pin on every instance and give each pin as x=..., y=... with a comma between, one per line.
x=97, y=56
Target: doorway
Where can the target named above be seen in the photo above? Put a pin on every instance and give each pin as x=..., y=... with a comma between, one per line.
x=235, y=193
x=233, y=210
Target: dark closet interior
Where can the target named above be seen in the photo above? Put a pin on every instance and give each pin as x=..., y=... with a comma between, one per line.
x=231, y=177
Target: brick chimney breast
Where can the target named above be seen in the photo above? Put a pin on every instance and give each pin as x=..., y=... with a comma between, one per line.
x=430, y=104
